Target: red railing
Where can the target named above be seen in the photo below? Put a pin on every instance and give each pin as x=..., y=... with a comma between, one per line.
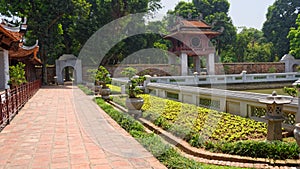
x=12, y=100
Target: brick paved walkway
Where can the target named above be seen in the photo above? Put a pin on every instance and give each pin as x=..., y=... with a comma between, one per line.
x=62, y=128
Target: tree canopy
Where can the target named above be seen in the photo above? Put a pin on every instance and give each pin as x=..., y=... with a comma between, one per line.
x=281, y=17
x=294, y=36
x=251, y=46
x=64, y=26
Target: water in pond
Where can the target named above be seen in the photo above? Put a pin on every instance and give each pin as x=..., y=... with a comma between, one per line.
x=268, y=91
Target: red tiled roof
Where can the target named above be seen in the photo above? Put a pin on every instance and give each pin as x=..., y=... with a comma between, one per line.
x=18, y=50
x=208, y=33
x=198, y=24
x=14, y=35
x=25, y=51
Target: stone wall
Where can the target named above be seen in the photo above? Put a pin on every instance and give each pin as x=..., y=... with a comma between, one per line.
x=143, y=69
x=174, y=70
x=229, y=68
x=251, y=68
x=50, y=73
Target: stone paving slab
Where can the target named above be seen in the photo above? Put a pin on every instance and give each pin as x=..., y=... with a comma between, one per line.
x=60, y=127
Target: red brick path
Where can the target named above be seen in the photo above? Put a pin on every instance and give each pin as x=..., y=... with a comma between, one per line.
x=62, y=128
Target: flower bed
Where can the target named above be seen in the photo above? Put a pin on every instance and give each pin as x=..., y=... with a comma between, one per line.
x=215, y=131
x=162, y=151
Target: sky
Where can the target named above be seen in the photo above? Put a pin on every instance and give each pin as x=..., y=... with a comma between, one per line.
x=249, y=13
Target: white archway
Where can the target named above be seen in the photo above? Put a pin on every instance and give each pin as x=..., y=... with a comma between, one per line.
x=68, y=60
x=290, y=62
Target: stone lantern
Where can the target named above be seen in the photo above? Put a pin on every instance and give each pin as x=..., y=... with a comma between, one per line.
x=274, y=114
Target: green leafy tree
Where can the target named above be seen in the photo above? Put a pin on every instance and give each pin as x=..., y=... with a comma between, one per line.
x=281, y=17
x=59, y=25
x=114, y=9
x=215, y=12
x=45, y=20
x=17, y=74
x=251, y=46
x=208, y=7
x=222, y=22
x=257, y=52
x=185, y=10
x=294, y=36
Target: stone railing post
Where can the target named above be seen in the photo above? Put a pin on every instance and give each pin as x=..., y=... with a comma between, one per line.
x=244, y=72
x=146, y=82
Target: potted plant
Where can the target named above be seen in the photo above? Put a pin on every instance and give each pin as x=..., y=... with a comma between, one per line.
x=102, y=77
x=17, y=75
x=133, y=102
x=140, y=82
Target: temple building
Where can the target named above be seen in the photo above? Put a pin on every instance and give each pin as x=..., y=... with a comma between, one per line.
x=191, y=42
x=12, y=51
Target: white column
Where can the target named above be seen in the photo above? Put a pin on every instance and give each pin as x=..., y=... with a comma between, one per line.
x=184, y=64
x=211, y=64
x=4, y=69
x=197, y=63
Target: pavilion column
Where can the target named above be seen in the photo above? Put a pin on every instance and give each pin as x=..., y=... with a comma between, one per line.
x=4, y=69
x=197, y=64
x=184, y=64
x=211, y=64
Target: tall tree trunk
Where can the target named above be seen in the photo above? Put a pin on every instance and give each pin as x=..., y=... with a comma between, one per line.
x=44, y=68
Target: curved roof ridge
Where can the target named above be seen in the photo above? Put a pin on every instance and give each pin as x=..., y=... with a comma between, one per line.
x=12, y=29
x=30, y=47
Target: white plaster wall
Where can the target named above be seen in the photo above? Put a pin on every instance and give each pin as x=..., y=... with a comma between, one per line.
x=4, y=69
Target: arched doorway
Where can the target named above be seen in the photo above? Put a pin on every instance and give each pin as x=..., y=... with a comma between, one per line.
x=68, y=68
x=69, y=74
x=295, y=68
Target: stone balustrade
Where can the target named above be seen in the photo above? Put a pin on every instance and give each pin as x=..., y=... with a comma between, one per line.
x=227, y=79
